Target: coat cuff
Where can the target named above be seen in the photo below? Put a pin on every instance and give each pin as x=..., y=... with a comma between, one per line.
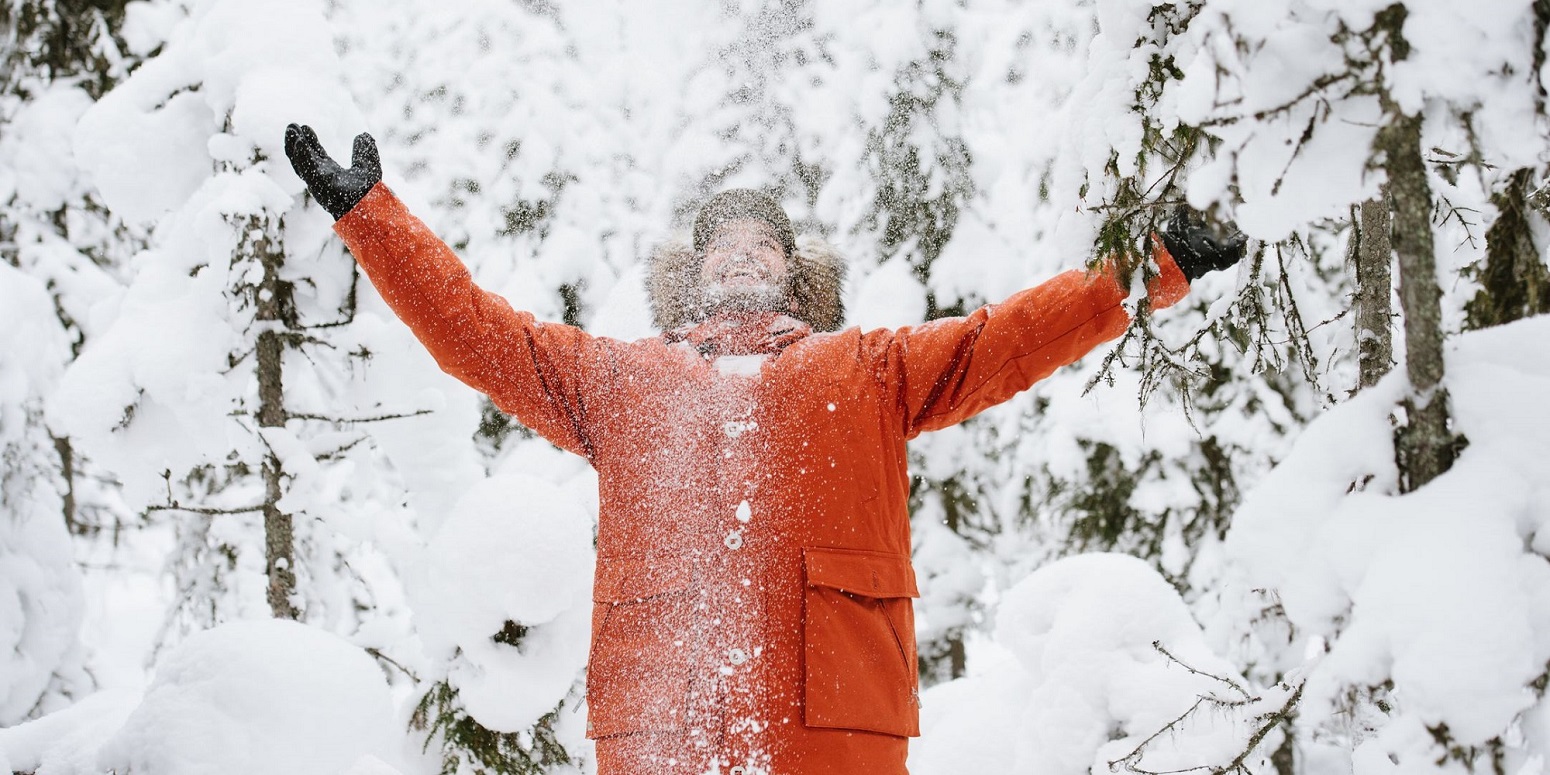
x=1170, y=285
x=378, y=203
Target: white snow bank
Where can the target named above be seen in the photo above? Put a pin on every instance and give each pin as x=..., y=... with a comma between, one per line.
x=1442, y=596
x=1444, y=591
x=258, y=697
x=516, y=548
x=1087, y=685
x=36, y=161
x=66, y=742
x=245, y=68
x=41, y=600
x=195, y=131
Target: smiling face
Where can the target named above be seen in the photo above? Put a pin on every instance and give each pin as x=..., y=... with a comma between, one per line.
x=743, y=253
x=745, y=268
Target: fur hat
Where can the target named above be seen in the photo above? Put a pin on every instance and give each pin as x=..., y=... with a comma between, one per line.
x=817, y=275
x=740, y=204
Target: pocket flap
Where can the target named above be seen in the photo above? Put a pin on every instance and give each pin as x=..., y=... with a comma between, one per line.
x=628, y=579
x=859, y=572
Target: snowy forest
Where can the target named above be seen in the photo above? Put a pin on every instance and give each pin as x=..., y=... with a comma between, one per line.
x=1297, y=523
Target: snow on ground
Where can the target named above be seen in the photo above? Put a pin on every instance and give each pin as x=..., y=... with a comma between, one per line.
x=1445, y=592
x=67, y=742
x=1084, y=685
x=515, y=548
x=256, y=697
x=41, y=599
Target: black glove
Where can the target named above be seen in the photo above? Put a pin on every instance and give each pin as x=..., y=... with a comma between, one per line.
x=1197, y=248
x=336, y=188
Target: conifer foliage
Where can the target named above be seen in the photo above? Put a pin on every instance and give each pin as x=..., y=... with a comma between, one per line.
x=1293, y=524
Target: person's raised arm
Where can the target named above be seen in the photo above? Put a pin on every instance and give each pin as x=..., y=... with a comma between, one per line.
x=949, y=370
x=533, y=370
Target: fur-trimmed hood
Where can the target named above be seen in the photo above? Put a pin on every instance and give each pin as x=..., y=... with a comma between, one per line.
x=817, y=276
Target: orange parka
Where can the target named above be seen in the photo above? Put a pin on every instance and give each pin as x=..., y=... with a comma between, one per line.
x=752, y=601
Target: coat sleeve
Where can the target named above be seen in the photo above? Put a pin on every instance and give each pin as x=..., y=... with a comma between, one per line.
x=948, y=370
x=533, y=370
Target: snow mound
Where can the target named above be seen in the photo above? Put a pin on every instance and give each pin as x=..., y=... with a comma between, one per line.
x=1444, y=591
x=246, y=68
x=66, y=742
x=1088, y=681
x=255, y=698
x=41, y=599
x=515, y=548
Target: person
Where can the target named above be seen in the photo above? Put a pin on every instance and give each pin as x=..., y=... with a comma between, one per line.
x=752, y=598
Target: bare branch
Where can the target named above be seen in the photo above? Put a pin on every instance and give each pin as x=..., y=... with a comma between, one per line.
x=1127, y=760
x=1237, y=687
x=352, y=420
x=335, y=453
x=202, y=510
x=1316, y=87
x=376, y=652
x=1271, y=721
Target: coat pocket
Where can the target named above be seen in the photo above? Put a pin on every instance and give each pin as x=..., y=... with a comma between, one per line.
x=638, y=670
x=858, y=628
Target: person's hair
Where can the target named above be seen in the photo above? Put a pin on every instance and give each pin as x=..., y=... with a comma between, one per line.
x=738, y=204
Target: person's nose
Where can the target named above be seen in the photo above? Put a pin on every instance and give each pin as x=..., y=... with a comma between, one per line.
x=736, y=256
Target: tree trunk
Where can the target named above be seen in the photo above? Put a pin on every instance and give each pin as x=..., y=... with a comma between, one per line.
x=1514, y=282
x=1373, y=254
x=1424, y=446
x=67, y=472
x=953, y=501
x=279, y=538
x=1284, y=757
x=1423, y=443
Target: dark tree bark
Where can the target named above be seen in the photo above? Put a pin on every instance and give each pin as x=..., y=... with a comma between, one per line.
x=1284, y=757
x=944, y=659
x=58, y=39
x=957, y=658
x=1424, y=443
x=67, y=472
x=279, y=536
x=1514, y=281
x=1373, y=254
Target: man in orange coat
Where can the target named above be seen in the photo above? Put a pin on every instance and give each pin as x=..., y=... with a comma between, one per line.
x=752, y=604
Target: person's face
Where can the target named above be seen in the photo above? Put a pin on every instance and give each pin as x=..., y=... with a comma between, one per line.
x=744, y=255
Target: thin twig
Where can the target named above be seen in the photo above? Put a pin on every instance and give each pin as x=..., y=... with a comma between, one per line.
x=1157, y=644
x=1313, y=88
x=202, y=510
x=1271, y=720
x=385, y=658
x=352, y=420
x=1136, y=752
x=335, y=453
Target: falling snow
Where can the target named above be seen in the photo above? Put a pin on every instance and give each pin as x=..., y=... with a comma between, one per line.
x=559, y=148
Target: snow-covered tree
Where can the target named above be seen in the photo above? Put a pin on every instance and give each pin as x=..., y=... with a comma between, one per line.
x=194, y=342
x=1292, y=119
x=59, y=251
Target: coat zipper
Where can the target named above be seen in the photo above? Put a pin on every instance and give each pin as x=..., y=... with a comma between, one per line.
x=904, y=656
